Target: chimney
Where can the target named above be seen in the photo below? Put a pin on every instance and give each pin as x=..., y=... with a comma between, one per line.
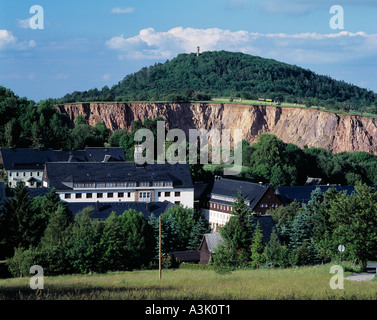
x=138, y=155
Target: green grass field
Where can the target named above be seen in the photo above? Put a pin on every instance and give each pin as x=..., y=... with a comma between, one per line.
x=302, y=283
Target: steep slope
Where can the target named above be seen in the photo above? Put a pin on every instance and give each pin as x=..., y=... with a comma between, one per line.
x=293, y=125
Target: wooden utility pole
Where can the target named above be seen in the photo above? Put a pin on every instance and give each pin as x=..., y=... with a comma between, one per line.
x=159, y=249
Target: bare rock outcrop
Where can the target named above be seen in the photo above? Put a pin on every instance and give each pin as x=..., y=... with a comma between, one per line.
x=292, y=125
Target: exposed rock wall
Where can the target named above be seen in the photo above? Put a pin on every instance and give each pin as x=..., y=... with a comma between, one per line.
x=299, y=126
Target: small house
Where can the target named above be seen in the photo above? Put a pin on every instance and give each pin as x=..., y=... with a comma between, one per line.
x=208, y=246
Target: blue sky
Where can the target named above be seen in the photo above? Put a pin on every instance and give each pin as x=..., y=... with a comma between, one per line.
x=89, y=44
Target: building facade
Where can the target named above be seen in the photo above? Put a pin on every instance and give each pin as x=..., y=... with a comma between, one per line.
x=27, y=165
x=258, y=198
x=121, y=182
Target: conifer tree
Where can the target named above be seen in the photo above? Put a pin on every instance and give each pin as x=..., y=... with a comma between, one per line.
x=257, y=248
x=273, y=250
x=238, y=230
x=200, y=228
x=21, y=224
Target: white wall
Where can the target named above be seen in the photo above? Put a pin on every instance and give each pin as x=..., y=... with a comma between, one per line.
x=216, y=219
x=186, y=196
x=23, y=175
x=95, y=198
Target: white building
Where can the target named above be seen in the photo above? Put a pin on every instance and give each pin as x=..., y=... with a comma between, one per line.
x=120, y=182
x=258, y=198
x=27, y=165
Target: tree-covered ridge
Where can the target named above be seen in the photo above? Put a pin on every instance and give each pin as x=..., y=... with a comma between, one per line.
x=229, y=74
x=24, y=124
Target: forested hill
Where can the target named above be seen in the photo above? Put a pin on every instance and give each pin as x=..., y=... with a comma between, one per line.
x=230, y=74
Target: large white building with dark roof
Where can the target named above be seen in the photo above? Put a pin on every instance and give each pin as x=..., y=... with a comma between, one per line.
x=120, y=182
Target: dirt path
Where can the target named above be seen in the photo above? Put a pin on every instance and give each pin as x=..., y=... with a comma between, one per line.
x=361, y=277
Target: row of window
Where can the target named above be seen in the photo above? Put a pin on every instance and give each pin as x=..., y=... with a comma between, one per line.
x=142, y=195
x=168, y=194
x=23, y=174
x=265, y=205
x=122, y=184
x=220, y=207
x=230, y=208
x=219, y=215
x=99, y=195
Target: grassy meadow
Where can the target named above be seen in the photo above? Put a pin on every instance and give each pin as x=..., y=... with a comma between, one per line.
x=301, y=283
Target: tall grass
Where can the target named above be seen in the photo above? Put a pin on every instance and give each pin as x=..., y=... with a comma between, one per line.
x=302, y=283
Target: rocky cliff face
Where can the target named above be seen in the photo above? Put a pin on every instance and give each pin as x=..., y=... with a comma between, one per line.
x=292, y=125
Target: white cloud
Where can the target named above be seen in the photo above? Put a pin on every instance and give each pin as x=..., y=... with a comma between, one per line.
x=106, y=76
x=292, y=48
x=6, y=39
x=162, y=45
x=23, y=24
x=9, y=41
x=122, y=11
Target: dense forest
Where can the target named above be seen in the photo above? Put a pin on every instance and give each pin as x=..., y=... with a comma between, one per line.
x=231, y=75
x=24, y=124
x=273, y=161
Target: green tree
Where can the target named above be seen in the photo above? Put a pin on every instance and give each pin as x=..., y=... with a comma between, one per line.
x=355, y=219
x=20, y=224
x=257, y=248
x=238, y=230
x=139, y=241
x=12, y=133
x=200, y=228
x=184, y=218
x=276, y=255
x=225, y=259
x=84, y=250
x=113, y=244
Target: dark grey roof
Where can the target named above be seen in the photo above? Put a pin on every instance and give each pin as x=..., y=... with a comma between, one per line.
x=26, y=158
x=87, y=172
x=200, y=190
x=213, y=240
x=102, y=211
x=267, y=225
x=17, y=159
x=303, y=193
x=33, y=192
x=186, y=256
x=90, y=155
x=253, y=192
x=38, y=192
x=70, y=156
